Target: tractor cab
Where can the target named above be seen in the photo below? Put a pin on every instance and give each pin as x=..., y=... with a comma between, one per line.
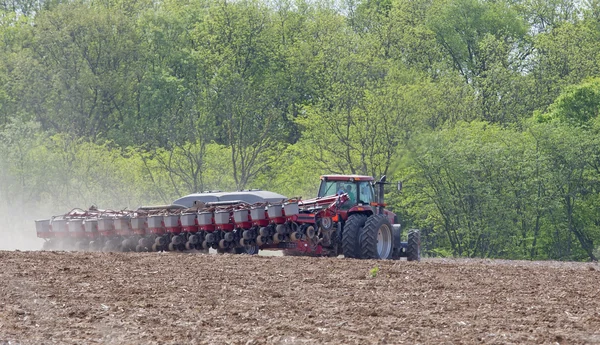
x=359, y=188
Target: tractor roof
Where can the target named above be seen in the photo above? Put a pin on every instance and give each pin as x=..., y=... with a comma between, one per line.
x=251, y=197
x=347, y=178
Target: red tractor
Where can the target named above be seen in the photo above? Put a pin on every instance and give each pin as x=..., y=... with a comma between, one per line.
x=365, y=229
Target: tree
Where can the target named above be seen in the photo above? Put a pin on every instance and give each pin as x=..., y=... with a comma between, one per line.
x=243, y=89
x=461, y=25
x=88, y=59
x=566, y=55
x=479, y=189
x=569, y=152
x=577, y=105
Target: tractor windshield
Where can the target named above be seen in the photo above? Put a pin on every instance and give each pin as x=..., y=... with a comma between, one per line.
x=358, y=192
x=329, y=188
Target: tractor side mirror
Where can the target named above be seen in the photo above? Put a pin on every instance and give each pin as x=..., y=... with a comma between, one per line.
x=399, y=186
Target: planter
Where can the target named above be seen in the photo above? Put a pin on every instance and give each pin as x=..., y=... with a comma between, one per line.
x=42, y=226
x=121, y=224
x=105, y=224
x=275, y=211
x=188, y=219
x=291, y=209
x=155, y=222
x=75, y=225
x=258, y=213
x=138, y=222
x=59, y=225
x=91, y=225
x=240, y=216
x=222, y=217
x=171, y=221
x=205, y=218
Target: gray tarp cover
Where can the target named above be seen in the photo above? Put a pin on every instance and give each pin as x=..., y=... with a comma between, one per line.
x=250, y=197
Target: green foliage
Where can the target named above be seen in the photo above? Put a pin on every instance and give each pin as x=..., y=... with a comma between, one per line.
x=374, y=271
x=462, y=26
x=474, y=175
x=577, y=105
x=122, y=103
x=567, y=56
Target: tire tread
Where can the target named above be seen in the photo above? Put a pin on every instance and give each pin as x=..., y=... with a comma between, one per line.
x=350, y=236
x=413, y=251
x=368, y=236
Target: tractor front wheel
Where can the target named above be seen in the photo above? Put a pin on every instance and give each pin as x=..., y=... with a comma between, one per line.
x=350, y=245
x=413, y=249
x=375, y=238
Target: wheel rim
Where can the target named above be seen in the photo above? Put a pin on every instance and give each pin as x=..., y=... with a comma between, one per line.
x=384, y=242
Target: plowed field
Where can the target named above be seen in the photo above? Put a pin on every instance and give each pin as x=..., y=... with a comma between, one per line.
x=135, y=298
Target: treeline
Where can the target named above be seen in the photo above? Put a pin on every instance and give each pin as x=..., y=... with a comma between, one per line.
x=487, y=110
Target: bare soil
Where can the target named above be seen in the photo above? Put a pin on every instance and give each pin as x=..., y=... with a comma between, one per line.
x=138, y=298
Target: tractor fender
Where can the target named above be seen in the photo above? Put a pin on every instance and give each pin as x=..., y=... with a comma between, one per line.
x=364, y=209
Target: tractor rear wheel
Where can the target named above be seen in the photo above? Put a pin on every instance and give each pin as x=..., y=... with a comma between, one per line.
x=375, y=238
x=413, y=249
x=350, y=245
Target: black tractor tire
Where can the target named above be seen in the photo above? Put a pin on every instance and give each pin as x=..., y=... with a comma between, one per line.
x=177, y=240
x=161, y=241
x=146, y=244
x=376, y=239
x=194, y=239
x=110, y=245
x=350, y=245
x=397, y=234
x=200, y=248
x=413, y=249
x=126, y=245
x=338, y=239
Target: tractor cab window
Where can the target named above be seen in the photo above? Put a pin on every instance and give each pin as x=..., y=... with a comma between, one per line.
x=328, y=188
x=350, y=189
x=366, y=193
x=358, y=192
x=339, y=187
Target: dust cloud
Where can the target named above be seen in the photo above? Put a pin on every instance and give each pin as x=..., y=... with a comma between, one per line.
x=17, y=229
